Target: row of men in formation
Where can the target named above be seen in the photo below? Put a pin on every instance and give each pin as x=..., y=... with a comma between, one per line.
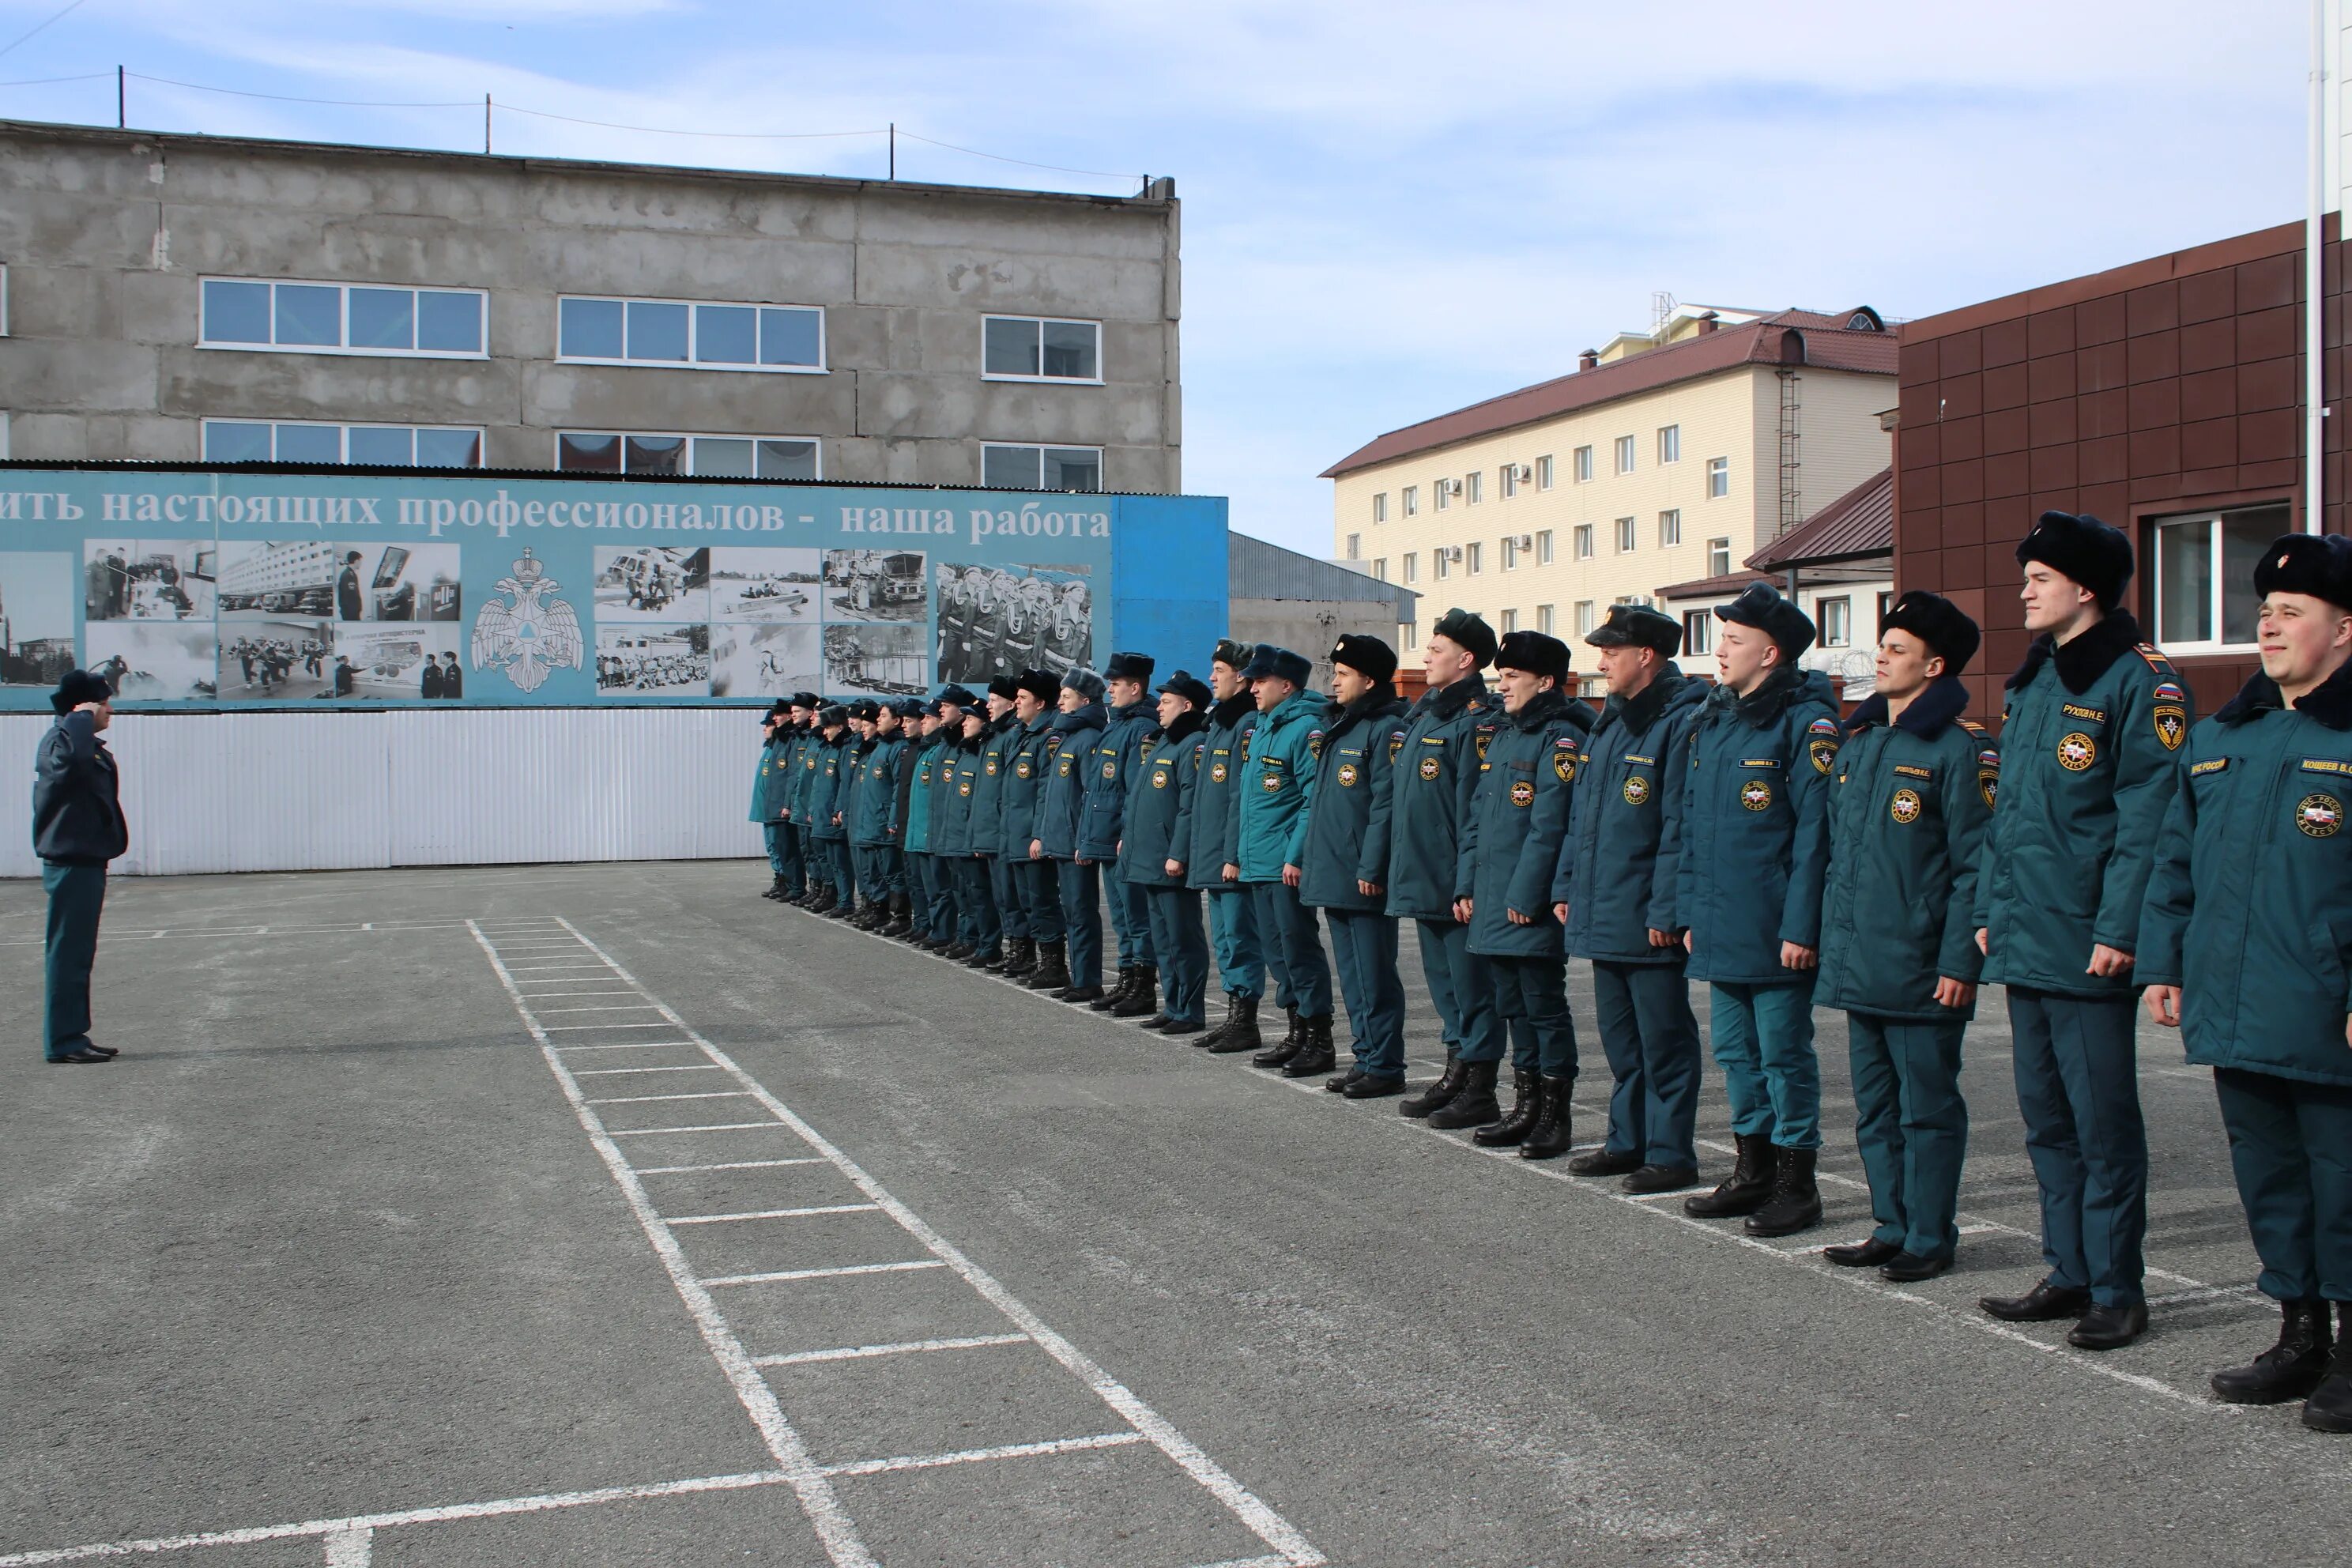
x=1743, y=834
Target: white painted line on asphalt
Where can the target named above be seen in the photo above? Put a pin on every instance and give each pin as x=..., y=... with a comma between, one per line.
x=650, y=1098
x=576, y=1028
x=2252, y=1297
x=623, y=1046
x=815, y=1493
x=839, y=1271
x=705, y=1127
x=727, y=1166
x=615, y=1072
x=975, y=1456
x=569, y=994
x=774, y=1214
x=1249, y=1562
x=904, y=1347
x=352, y=1548
x=607, y=1007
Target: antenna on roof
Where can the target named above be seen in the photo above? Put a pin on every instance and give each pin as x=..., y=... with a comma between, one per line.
x=1661, y=314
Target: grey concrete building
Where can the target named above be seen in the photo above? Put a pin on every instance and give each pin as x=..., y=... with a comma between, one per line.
x=1296, y=602
x=189, y=298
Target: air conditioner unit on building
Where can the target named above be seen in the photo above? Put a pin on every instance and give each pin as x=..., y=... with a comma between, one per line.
x=1452, y=553
x=1525, y=542
x=1453, y=487
x=1524, y=472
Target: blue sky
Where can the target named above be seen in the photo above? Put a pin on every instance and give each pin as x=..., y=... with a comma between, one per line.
x=1390, y=210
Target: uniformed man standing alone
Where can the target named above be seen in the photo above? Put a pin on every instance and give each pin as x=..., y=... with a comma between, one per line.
x=1614, y=895
x=1754, y=847
x=2089, y=747
x=2245, y=943
x=1283, y=753
x=1215, y=861
x=1914, y=789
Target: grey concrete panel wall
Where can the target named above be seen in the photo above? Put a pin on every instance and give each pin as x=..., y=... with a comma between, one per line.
x=1310, y=627
x=106, y=235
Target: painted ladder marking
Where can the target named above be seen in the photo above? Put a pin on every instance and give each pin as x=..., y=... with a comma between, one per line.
x=774, y=1214
x=725, y=1166
x=650, y=1098
x=971, y=1456
x=904, y=1347
x=705, y=1127
x=835, y=1272
x=615, y=1072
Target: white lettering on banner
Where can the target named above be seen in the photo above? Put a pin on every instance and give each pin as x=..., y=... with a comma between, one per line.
x=895, y=519
x=117, y=507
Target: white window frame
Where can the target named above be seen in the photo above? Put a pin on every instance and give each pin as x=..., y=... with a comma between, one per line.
x=1584, y=621
x=1411, y=494
x=1840, y=608
x=1626, y=454
x=689, y=437
x=1670, y=528
x=1507, y=553
x=1355, y=547
x=1412, y=565
x=2217, y=602
x=1698, y=632
x=1506, y=478
x=1440, y=564
x=1628, y=532
x=1718, y=547
x=1718, y=477
x=1584, y=543
x=1441, y=495
x=1043, y=322
x=1408, y=634
x=1379, y=568
x=343, y=429
x=1544, y=619
x=1670, y=444
x=1543, y=547
x=824, y=337
x=1380, y=506
x=1474, y=487
x=1543, y=472
x=1041, y=448
x=342, y=316
x=1510, y=622
x=1473, y=558
x=1580, y=465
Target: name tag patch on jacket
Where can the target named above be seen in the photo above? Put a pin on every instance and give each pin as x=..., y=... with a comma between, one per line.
x=2322, y=765
x=2210, y=765
x=1759, y=762
x=1643, y=761
x=1914, y=771
x=2076, y=711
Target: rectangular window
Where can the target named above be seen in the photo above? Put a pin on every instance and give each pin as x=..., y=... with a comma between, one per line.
x=1543, y=472
x=383, y=445
x=1510, y=622
x=1543, y=548
x=1475, y=557
x=1698, y=631
x=1625, y=536
x=1380, y=569
x=343, y=319
x=1509, y=552
x=1583, y=537
x=1506, y=480
x=1381, y=507
x=1835, y=617
x=1718, y=477
x=1412, y=500
x=1408, y=634
x=699, y=334
x=1473, y=483
x=1670, y=528
x=1581, y=464
x=1076, y=468
x=1670, y=443
x=2204, y=571
x=1032, y=348
x=1718, y=558
x=1412, y=566
x=1624, y=454
x=1543, y=619
x=1442, y=493
x=1441, y=560
x=1355, y=546
x=1584, y=618
x=725, y=456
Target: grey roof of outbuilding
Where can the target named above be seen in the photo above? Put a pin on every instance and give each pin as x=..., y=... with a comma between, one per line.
x=1256, y=570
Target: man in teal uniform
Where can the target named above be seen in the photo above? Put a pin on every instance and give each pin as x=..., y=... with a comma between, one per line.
x=922, y=885
x=1070, y=741
x=1431, y=778
x=798, y=729
x=997, y=740
x=2090, y=746
x=2245, y=943
x=1152, y=847
x=1045, y=960
x=1510, y=851
x=765, y=801
x=1755, y=845
x=1614, y=895
x=1914, y=789
x=1215, y=861
x=975, y=909
x=1281, y=769
x=950, y=820
x=830, y=756
x=872, y=832
x=1118, y=753
x=1344, y=865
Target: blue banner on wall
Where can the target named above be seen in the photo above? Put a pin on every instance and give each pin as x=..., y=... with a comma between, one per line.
x=209, y=588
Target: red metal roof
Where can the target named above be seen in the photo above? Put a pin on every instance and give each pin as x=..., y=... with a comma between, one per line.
x=1709, y=587
x=1792, y=337
x=1858, y=524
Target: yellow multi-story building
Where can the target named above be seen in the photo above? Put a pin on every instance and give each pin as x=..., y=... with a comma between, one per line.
x=1666, y=458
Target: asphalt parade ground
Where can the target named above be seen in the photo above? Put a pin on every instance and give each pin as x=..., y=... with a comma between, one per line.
x=610, y=1214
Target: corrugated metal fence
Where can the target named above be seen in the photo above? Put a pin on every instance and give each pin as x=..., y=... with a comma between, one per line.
x=305, y=791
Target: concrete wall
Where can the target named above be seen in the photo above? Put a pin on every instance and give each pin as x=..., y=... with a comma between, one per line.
x=106, y=234
x=1307, y=626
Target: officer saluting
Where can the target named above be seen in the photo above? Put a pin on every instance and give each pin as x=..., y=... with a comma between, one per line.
x=1914, y=788
x=2095, y=724
x=2245, y=942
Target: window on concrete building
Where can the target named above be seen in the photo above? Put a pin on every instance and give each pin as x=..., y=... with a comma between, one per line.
x=1580, y=465
x=343, y=319
x=1835, y=617
x=1543, y=472
x=1474, y=556
x=1355, y=546
x=1885, y=603
x=1472, y=487
x=1718, y=558
x=2204, y=575
x=1670, y=443
x=1510, y=622
x=1509, y=552
x=1583, y=537
x=1412, y=566
x=701, y=333
x=1584, y=618
x=1624, y=454
x=1440, y=493
x=1698, y=632
x=724, y=456
x=1076, y=468
x=1379, y=568
x=1408, y=634
x=1506, y=478
x=1441, y=560
x=1543, y=619
x=384, y=445
x=1625, y=530
x=1670, y=528
x=1381, y=507
x=1032, y=348
x=1543, y=548
x=1412, y=500
x=1718, y=477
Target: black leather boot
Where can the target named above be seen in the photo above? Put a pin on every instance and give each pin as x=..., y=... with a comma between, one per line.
x=1430, y=1100
x=902, y=923
x=1796, y=1201
x=1547, y=1139
x=1076, y=993
x=821, y=902
x=1315, y=1054
x=2290, y=1369
x=1605, y=1161
x=1513, y=1128
x=1283, y=1049
x=1143, y=998
x=1052, y=971
x=1747, y=1189
x=957, y=951
x=1021, y=960
x=2329, y=1408
x=1473, y=1104
x=1239, y=1031
x=775, y=888
x=1118, y=993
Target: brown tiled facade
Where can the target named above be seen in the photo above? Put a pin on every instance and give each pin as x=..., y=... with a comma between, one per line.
x=2172, y=385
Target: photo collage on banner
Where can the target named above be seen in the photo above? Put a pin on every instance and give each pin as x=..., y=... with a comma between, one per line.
x=310, y=620
x=1002, y=620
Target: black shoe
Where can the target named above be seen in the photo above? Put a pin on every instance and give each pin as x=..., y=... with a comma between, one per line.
x=1868, y=1253
x=1142, y=996
x=1796, y=1202
x=983, y=960
x=2109, y=1328
x=1239, y=1031
x=83, y=1054
x=1183, y=1026
x=956, y=952
x=776, y=887
x=1473, y=1104
x=107, y=1052
x=2290, y=1369
x=2329, y=1408
x=1157, y=1022
x=1511, y=1130
x=1118, y=993
x=839, y=909
x=1747, y=1188
x=1020, y=959
x=1605, y=1161
x=1315, y=1052
x=1548, y=1138
x=1909, y=1269
x=1367, y=1087
x=2045, y=1303
x=1338, y=1083
x=1283, y=1049
x=1432, y=1100
x=1052, y=971
x=1660, y=1179
x=1088, y=994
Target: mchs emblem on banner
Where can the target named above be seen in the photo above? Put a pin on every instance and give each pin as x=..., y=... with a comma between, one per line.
x=529, y=637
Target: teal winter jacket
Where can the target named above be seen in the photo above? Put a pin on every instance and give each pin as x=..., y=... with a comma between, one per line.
x=1516, y=823
x=1275, y=785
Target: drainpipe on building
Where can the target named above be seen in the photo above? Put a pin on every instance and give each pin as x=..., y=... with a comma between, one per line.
x=2315, y=306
